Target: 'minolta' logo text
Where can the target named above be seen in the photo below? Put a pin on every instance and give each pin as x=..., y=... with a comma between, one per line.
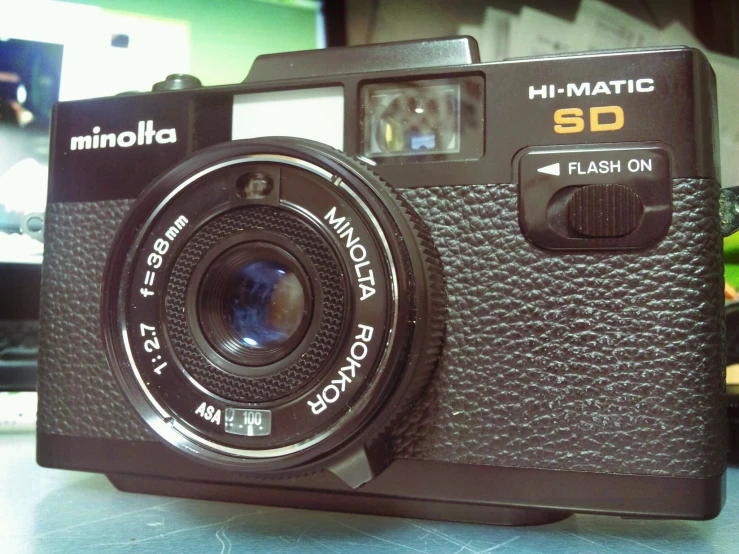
x=146, y=135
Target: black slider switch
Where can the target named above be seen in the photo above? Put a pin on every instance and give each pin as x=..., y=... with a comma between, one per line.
x=604, y=211
x=592, y=197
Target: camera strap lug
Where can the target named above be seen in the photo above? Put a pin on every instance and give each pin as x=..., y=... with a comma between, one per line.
x=360, y=466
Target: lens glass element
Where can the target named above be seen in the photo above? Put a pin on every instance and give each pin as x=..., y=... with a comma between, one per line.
x=254, y=303
x=265, y=305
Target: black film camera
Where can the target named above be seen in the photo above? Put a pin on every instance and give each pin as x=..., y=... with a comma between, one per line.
x=392, y=279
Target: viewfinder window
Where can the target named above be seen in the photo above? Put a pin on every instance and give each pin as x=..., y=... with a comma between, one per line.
x=422, y=121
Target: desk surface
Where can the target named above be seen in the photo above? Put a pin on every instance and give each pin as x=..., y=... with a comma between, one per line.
x=50, y=511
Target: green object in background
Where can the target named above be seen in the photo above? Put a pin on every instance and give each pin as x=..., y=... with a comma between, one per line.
x=225, y=37
x=731, y=260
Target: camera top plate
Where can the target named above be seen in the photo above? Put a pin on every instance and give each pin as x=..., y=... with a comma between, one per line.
x=411, y=54
x=663, y=95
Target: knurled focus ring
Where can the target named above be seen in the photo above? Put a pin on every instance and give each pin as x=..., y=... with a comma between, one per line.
x=305, y=368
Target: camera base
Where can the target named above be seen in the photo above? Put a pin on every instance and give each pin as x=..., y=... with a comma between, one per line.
x=406, y=488
x=311, y=499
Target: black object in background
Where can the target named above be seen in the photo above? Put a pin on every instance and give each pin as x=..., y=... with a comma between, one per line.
x=19, y=291
x=18, y=355
x=334, y=16
x=19, y=302
x=717, y=25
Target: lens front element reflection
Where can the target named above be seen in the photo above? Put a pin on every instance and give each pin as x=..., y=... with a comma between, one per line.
x=254, y=303
x=266, y=305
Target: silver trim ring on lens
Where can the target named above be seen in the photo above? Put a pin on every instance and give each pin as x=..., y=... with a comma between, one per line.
x=168, y=423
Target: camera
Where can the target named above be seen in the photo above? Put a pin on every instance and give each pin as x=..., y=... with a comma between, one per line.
x=392, y=279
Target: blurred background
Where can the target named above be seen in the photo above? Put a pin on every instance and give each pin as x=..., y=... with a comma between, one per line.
x=51, y=51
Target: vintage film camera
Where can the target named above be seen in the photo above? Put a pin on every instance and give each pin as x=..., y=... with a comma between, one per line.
x=392, y=279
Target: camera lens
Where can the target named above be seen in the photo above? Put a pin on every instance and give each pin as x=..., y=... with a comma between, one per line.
x=253, y=303
x=280, y=309
x=264, y=305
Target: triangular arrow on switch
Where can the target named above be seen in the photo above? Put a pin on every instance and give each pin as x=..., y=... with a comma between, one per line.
x=550, y=169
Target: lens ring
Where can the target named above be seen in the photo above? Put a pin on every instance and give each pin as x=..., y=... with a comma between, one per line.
x=225, y=376
x=255, y=304
x=324, y=186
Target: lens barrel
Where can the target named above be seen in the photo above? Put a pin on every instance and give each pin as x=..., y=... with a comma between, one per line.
x=274, y=281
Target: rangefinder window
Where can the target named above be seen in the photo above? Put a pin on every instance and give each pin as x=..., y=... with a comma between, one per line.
x=422, y=121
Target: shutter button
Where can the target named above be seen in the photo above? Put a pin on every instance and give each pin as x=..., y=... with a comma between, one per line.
x=177, y=81
x=604, y=210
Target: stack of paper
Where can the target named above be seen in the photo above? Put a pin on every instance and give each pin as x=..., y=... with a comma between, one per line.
x=600, y=26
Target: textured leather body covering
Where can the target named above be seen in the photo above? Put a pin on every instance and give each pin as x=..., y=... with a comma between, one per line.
x=78, y=395
x=598, y=362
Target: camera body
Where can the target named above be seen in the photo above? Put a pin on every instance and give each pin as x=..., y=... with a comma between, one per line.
x=540, y=261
